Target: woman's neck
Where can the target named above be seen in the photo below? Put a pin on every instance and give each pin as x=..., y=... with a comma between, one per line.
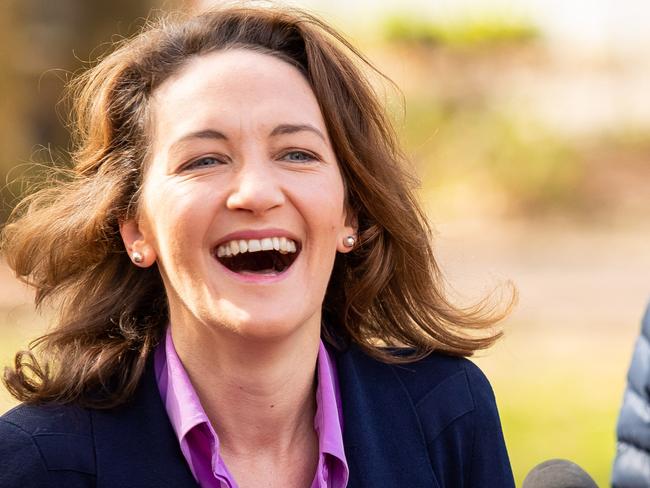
x=259, y=396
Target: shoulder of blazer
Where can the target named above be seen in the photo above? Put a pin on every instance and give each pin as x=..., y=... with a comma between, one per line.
x=69, y=446
x=439, y=387
x=428, y=421
x=37, y=441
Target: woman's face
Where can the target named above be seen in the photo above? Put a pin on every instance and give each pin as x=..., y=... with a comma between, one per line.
x=240, y=161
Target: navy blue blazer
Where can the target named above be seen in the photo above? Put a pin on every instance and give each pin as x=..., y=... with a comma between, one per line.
x=433, y=423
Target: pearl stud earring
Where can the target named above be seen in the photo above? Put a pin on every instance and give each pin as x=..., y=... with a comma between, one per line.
x=349, y=241
x=137, y=257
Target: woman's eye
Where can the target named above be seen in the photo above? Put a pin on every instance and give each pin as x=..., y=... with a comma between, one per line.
x=204, y=162
x=299, y=157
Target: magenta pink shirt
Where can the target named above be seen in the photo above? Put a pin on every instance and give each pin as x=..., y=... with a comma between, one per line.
x=200, y=444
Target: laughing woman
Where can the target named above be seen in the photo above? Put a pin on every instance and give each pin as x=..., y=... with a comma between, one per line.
x=246, y=289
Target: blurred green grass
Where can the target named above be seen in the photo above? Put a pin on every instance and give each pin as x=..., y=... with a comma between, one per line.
x=552, y=417
x=559, y=390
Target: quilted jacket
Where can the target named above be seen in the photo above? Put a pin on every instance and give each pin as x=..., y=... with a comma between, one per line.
x=632, y=463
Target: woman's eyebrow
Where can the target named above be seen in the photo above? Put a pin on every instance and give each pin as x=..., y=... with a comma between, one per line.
x=293, y=128
x=215, y=134
x=201, y=134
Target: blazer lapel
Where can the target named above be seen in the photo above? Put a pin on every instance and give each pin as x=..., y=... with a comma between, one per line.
x=384, y=443
x=136, y=445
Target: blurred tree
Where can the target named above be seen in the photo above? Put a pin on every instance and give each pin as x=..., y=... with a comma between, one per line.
x=43, y=43
x=475, y=32
x=12, y=94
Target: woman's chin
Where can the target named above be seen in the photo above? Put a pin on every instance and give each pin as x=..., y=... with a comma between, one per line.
x=263, y=327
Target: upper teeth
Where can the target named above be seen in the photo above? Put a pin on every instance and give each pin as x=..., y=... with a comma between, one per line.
x=234, y=247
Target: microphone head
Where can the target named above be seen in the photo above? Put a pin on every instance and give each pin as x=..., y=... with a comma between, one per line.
x=558, y=473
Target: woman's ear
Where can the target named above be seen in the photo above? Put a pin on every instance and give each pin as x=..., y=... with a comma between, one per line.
x=348, y=237
x=142, y=254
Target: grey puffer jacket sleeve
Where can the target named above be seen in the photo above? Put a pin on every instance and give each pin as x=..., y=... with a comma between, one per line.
x=632, y=463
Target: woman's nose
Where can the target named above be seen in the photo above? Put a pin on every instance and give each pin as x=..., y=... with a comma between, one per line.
x=256, y=188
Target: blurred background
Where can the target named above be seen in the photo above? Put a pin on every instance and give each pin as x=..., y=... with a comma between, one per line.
x=528, y=122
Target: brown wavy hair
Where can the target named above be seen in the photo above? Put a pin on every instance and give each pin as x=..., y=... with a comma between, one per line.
x=64, y=239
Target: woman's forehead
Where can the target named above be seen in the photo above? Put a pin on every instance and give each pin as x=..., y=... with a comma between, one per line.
x=239, y=87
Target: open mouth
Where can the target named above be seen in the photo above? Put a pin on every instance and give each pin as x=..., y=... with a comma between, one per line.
x=271, y=255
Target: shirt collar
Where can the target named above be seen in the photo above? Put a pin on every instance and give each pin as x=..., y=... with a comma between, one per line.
x=181, y=400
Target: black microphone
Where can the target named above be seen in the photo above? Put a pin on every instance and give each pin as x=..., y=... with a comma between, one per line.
x=558, y=473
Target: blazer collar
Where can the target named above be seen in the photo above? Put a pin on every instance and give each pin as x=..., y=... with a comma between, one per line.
x=384, y=442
